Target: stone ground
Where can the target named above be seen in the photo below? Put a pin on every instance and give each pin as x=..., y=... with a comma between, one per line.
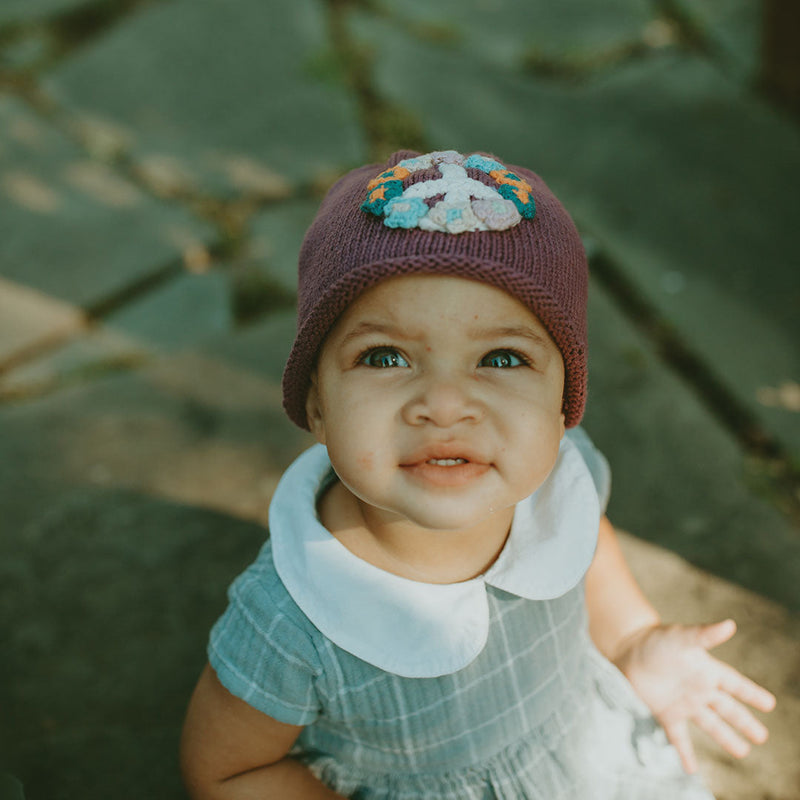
x=159, y=160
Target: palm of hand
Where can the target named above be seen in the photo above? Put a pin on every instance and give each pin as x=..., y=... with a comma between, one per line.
x=671, y=669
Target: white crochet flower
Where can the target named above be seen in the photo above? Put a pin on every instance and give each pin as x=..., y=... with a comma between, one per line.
x=450, y=217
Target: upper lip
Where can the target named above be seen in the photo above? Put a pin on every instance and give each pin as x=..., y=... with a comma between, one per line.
x=443, y=450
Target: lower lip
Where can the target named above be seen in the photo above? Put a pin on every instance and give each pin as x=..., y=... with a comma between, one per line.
x=446, y=477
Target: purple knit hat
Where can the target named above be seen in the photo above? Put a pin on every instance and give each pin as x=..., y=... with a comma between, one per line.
x=446, y=214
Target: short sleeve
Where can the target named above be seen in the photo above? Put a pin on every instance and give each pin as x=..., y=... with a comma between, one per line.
x=596, y=462
x=262, y=655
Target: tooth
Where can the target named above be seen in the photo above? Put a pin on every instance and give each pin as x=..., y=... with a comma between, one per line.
x=447, y=462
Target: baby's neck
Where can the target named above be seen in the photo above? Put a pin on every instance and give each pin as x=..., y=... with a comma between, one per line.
x=419, y=554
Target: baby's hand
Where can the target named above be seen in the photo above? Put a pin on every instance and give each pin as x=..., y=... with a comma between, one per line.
x=671, y=670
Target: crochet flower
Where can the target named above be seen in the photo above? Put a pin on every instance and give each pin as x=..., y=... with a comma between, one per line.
x=464, y=201
x=514, y=188
x=488, y=165
x=380, y=195
x=496, y=215
x=418, y=163
x=447, y=157
x=450, y=218
x=396, y=173
x=405, y=213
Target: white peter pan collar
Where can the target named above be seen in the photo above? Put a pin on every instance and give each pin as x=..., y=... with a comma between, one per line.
x=420, y=630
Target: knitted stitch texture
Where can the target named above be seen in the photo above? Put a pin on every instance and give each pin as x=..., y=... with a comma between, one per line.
x=347, y=249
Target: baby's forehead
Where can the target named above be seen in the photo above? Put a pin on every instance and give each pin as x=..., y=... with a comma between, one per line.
x=395, y=289
x=414, y=301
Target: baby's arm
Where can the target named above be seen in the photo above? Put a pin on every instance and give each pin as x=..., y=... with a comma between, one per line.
x=617, y=606
x=231, y=751
x=669, y=665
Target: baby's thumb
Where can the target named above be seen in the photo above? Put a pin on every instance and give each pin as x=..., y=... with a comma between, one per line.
x=710, y=636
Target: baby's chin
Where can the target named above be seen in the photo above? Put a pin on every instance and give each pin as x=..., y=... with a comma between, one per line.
x=444, y=520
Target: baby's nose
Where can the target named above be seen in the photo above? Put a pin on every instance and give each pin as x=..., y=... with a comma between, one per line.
x=444, y=402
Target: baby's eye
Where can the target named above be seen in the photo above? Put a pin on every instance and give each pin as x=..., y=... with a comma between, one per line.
x=382, y=357
x=503, y=359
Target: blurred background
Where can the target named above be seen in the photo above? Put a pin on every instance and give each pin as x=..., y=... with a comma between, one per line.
x=159, y=161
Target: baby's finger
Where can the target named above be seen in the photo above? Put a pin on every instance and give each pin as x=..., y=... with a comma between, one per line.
x=711, y=723
x=711, y=636
x=742, y=688
x=679, y=737
x=736, y=715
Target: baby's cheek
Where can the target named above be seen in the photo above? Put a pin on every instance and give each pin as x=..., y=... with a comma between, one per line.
x=365, y=461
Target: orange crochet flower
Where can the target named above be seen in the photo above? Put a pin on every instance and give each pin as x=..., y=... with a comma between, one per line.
x=509, y=177
x=396, y=173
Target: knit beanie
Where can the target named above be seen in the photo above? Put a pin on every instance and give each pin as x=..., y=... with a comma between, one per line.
x=442, y=213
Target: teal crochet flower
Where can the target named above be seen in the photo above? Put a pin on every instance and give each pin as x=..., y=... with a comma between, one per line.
x=404, y=212
x=379, y=197
x=527, y=208
x=477, y=161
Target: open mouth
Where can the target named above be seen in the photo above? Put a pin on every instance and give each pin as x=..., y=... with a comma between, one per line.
x=448, y=471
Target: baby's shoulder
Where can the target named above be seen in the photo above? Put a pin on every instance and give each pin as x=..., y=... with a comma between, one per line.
x=260, y=594
x=264, y=650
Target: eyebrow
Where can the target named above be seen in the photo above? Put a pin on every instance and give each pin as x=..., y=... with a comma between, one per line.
x=366, y=328
x=512, y=332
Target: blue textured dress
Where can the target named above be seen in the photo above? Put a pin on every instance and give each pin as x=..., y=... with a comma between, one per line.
x=486, y=689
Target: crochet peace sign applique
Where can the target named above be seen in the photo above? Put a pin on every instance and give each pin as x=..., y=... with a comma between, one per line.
x=454, y=202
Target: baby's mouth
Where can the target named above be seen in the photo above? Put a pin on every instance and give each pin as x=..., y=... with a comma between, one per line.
x=446, y=470
x=446, y=462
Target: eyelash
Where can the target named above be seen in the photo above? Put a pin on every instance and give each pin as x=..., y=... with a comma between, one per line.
x=524, y=360
x=364, y=355
x=521, y=357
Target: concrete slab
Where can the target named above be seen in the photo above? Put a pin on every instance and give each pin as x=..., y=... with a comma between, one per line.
x=734, y=30
x=680, y=480
x=10, y=787
x=260, y=349
x=131, y=501
x=30, y=321
x=276, y=236
x=16, y=11
x=218, y=96
x=688, y=183
x=90, y=354
x=72, y=227
x=507, y=32
x=106, y=602
x=25, y=53
x=189, y=427
x=188, y=309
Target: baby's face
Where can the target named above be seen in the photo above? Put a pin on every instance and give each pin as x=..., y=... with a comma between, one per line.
x=439, y=400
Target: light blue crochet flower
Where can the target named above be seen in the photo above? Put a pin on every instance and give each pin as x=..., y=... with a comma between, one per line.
x=418, y=163
x=404, y=212
x=477, y=161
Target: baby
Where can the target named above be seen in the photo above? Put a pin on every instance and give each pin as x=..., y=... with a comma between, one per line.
x=442, y=609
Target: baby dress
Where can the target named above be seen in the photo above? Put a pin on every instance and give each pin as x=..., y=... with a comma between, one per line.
x=488, y=689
